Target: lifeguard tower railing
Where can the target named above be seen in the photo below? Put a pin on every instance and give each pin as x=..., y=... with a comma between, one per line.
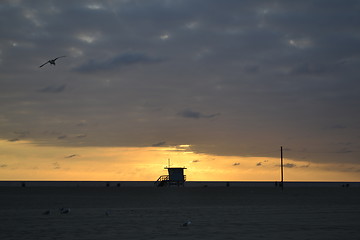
x=164, y=180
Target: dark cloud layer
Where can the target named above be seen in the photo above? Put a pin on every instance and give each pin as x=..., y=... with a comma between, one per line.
x=280, y=73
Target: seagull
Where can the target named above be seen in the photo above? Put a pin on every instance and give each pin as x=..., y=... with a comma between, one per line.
x=185, y=224
x=52, y=61
x=47, y=212
x=64, y=210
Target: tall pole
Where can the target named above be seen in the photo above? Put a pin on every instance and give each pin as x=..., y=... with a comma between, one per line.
x=282, y=169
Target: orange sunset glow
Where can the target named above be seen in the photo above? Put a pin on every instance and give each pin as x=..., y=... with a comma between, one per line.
x=26, y=161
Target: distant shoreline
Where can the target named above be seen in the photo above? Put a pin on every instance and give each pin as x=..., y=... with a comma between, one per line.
x=187, y=184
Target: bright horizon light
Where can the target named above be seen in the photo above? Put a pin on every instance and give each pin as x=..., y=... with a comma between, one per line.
x=23, y=160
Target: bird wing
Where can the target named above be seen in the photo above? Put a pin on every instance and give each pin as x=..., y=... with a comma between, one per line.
x=59, y=57
x=44, y=64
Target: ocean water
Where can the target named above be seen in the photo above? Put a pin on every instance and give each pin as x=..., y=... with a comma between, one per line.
x=187, y=184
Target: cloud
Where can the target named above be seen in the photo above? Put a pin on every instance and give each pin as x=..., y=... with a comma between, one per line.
x=72, y=136
x=159, y=144
x=261, y=163
x=14, y=140
x=71, y=156
x=82, y=123
x=344, y=150
x=180, y=148
x=53, y=89
x=22, y=134
x=308, y=69
x=125, y=59
x=56, y=165
x=82, y=135
x=62, y=137
x=289, y=165
x=336, y=126
x=196, y=115
x=3, y=165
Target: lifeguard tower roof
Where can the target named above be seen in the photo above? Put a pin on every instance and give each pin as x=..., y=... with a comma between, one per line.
x=175, y=167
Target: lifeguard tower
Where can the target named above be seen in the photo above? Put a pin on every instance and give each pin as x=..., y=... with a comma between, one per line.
x=176, y=177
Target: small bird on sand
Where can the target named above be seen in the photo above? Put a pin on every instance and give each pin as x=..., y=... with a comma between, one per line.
x=64, y=210
x=52, y=61
x=47, y=212
x=107, y=212
x=185, y=224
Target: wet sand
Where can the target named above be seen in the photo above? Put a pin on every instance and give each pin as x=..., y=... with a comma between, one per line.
x=159, y=213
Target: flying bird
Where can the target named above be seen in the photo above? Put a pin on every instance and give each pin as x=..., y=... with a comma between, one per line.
x=52, y=61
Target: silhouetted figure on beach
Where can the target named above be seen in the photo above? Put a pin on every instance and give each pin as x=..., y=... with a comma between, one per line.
x=52, y=61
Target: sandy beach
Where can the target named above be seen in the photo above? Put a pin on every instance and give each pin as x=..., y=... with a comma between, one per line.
x=159, y=213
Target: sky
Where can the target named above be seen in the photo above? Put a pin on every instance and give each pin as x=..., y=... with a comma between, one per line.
x=215, y=86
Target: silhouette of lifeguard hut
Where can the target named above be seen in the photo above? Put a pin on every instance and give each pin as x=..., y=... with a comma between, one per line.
x=176, y=177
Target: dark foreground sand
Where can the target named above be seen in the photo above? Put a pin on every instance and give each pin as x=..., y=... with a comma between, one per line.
x=158, y=213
